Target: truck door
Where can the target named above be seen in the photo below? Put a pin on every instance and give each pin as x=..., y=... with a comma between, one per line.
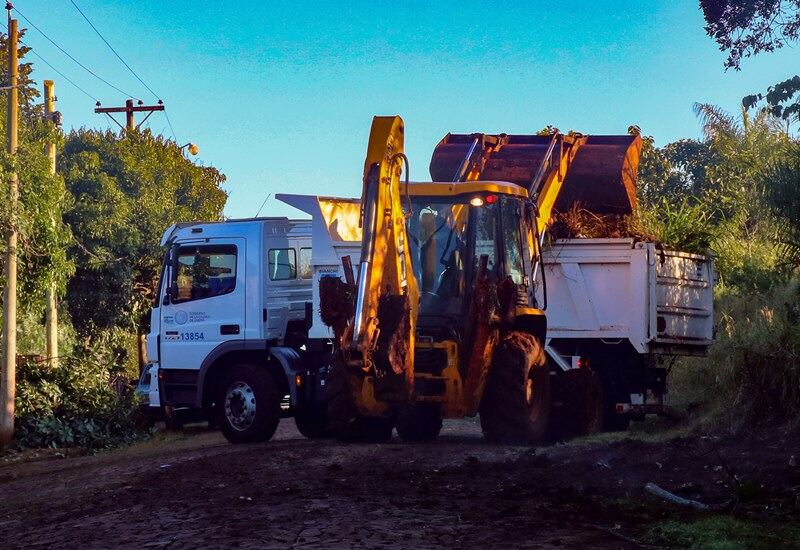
x=205, y=305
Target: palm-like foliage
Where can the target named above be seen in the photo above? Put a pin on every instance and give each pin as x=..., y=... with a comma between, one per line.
x=781, y=187
x=741, y=156
x=742, y=150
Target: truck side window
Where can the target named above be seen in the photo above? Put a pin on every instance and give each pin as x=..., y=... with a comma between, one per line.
x=282, y=264
x=305, y=263
x=205, y=271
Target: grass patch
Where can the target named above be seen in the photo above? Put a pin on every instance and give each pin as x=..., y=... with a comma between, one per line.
x=751, y=377
x=723, y=533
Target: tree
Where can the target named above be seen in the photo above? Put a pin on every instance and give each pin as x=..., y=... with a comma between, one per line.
x=126, y=189
x=43, y=238
x=747, y=27
x=721, y=180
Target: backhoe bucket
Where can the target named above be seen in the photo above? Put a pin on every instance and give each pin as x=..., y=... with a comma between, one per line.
x=601, y=178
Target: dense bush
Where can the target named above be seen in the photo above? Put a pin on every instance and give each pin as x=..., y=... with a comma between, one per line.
x=752, y=375
x=736, y=192
x=677, y=225
x=85, y=401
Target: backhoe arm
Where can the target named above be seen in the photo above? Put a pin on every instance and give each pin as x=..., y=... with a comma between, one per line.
x=387, y=296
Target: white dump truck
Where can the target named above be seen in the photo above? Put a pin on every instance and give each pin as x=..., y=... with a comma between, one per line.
x=626, y=309
x=236, y=328
x=229, y=329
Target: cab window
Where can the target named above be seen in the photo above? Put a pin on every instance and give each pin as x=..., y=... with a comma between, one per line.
x=205, y=272
x=510, y=218
x=485, y=235
x=305, y=263
x=282, y=264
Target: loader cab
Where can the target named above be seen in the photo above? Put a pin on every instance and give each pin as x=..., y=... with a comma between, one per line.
x=450, y=227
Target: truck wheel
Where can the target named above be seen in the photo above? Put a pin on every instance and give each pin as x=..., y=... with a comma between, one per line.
x=613, y=421
x=312, y=422
x=516, y=402
x=419, y=422
x=249, y=407
x=345, y=423
x=171, y=420
x=613, y=394
x=578, y=407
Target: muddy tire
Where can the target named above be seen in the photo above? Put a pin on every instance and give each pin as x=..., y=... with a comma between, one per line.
x=249, y=407
x=345, y=423
x=578, y=406
x=419, y=422
x=312, y=422
x=516, y=402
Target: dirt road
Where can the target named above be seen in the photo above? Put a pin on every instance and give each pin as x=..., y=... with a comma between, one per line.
x=198, y=491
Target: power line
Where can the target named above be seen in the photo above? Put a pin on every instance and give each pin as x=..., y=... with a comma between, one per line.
x=107, y=43
x=65, y=52
x=62, y=75
x=170, y=125
x=115, y=51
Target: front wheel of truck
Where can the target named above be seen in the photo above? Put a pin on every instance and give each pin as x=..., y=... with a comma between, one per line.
x=249, y=406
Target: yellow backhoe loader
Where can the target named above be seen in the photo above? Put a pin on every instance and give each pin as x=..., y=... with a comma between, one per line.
x=443, y=320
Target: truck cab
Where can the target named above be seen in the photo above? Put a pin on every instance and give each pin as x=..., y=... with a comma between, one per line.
x=233, y=297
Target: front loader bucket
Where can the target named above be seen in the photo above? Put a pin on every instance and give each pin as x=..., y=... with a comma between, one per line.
x=602, y=176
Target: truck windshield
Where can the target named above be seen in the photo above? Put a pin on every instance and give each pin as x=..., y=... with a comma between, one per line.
x=438, y=242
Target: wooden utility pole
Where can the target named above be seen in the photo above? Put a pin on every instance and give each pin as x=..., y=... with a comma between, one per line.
x=51, y=306
x=129, y=109
x=8, y=378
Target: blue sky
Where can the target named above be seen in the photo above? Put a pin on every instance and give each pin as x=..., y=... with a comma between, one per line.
x=279, y=96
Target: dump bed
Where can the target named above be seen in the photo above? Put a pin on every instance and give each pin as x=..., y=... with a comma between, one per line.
x=617, y=289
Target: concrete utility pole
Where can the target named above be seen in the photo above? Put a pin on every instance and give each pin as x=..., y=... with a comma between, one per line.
x=129, y=109
x=8, y=378
x=51, y=307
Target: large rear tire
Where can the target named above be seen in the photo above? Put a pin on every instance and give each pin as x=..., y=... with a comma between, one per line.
x=418, y=422
x=345, y=423
x=248, y=406
x=515, y=408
